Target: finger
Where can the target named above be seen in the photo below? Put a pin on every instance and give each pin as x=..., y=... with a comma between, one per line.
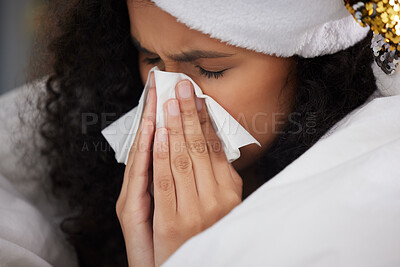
x=164, y=187
x=148, y=113
x=237, y=180
x=218, y=158
x=195, y=141
x=151, y=101
x=138, y=174
x=136, y=226
x=180, y=162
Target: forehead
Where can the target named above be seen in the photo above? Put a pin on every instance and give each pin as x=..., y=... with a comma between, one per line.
x=150, y=25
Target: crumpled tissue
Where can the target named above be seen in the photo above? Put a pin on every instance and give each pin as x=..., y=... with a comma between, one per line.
x=121, y=133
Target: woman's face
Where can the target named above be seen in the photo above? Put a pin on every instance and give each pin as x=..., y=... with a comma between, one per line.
x=249, y=85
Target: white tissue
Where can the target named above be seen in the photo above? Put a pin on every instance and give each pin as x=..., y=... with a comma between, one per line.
x=121, y=133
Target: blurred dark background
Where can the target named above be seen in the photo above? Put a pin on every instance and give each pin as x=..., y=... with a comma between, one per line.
x=18, y=21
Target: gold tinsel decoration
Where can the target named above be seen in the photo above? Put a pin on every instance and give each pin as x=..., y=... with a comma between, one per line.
x=383, y=17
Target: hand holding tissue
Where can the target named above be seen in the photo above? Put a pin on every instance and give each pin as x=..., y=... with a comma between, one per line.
x=121, y=133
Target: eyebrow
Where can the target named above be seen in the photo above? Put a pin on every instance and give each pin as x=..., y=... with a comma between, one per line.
x=189, y=56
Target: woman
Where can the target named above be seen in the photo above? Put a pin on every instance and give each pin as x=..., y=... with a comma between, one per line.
x=102, y=53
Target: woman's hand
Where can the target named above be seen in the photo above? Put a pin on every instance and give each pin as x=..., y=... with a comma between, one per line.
x=194, y=185
x=134, y=205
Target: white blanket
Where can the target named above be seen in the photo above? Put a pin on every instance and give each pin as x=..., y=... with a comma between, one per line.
x=29, y=231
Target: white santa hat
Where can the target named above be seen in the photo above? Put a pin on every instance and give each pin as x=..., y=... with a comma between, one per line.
x=277, y=27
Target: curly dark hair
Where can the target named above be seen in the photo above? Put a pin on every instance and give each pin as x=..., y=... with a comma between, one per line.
x=94, y=70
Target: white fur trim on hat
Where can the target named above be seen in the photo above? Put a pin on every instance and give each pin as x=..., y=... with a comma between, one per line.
x=308, y=28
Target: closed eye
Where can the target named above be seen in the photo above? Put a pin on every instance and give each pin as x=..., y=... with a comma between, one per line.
x=211, y=74
x=151, y=61
x=203, y=72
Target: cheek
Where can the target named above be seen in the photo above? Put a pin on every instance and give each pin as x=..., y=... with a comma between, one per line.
x=259, y=106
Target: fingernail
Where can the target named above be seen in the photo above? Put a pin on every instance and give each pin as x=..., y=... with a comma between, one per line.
x=184, y=89
x=173, y=108
x=199, y=103
x=152, y=80
x=141, y=126
x=148, y=95
x=162, y=135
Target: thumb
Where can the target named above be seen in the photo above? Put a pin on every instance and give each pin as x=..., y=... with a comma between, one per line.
x=237, y=180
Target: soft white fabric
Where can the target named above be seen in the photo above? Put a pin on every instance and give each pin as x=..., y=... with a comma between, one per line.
x=122, y=132
x=29, y=231
x=336, y=205
x=307, y=28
